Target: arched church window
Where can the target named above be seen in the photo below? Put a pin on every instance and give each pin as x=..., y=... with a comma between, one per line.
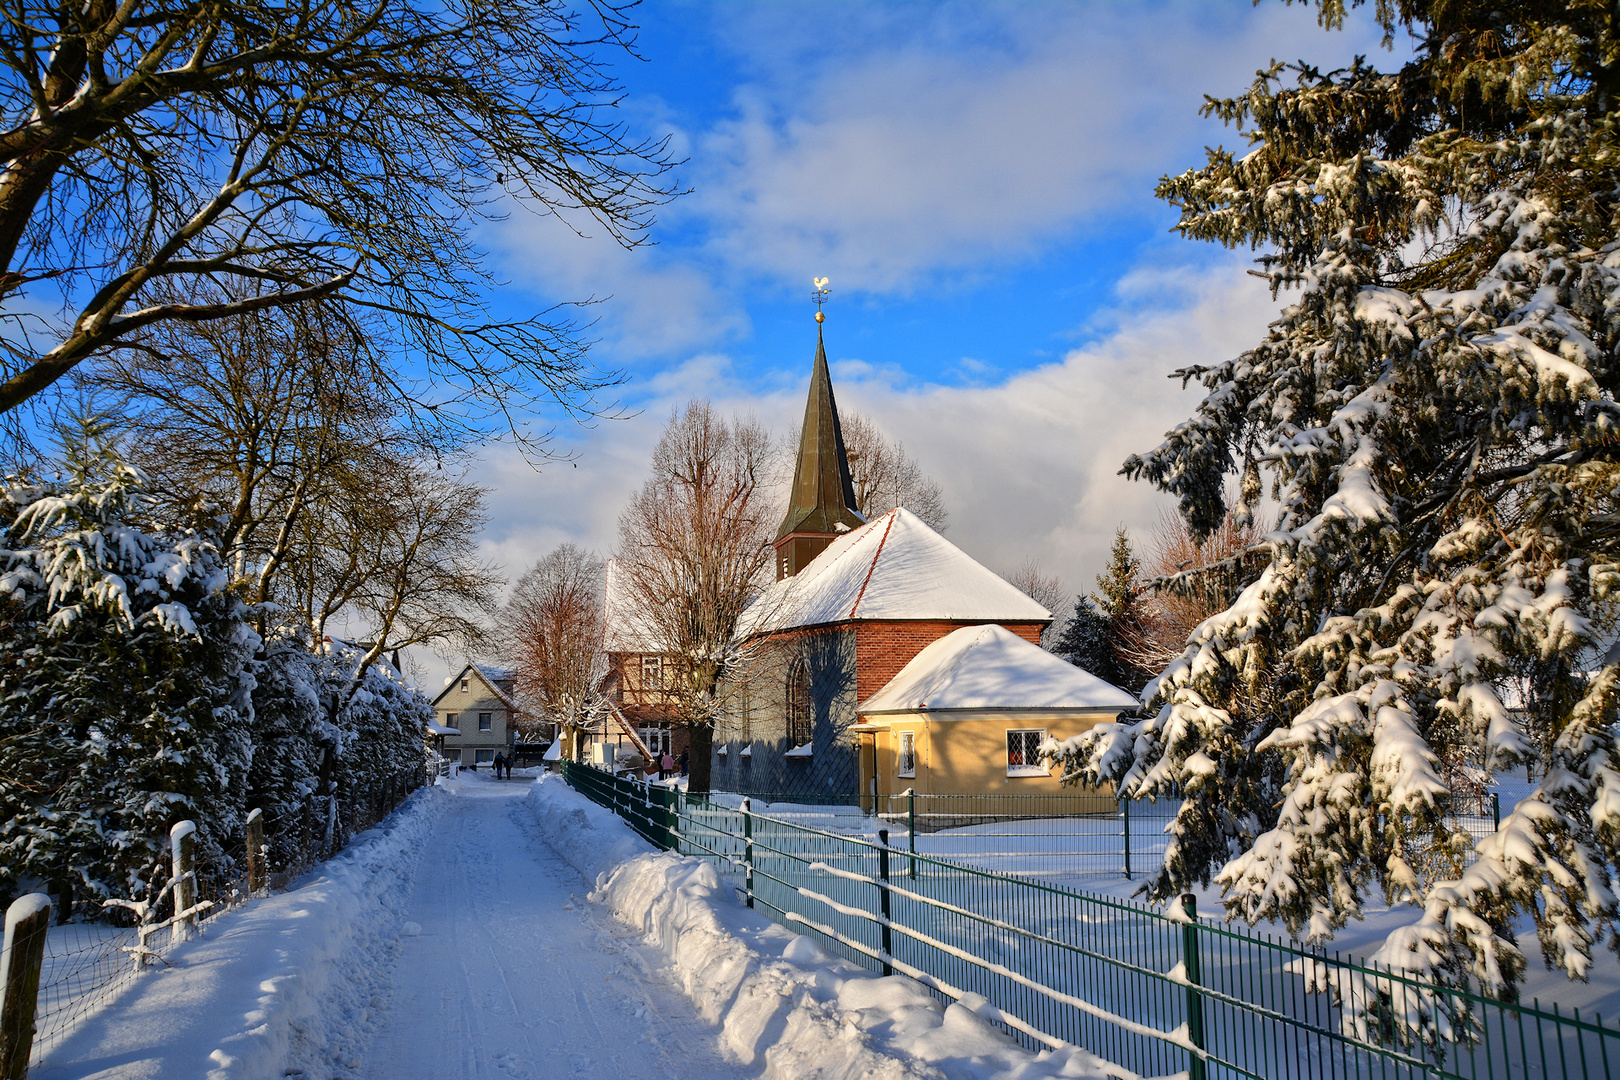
x=800, y=719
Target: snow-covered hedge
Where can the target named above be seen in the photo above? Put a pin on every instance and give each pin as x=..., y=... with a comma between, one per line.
x=134, y=692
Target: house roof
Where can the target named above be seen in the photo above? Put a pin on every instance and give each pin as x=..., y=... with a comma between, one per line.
x=893, y=567
x=822, y=499
x=989, y=667
x=626, y=629
x=490, y=677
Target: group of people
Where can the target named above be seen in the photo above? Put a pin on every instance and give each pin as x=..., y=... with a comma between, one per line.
x=667, y=765
x=503, y=765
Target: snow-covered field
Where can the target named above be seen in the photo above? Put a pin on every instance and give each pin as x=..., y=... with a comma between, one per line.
x=513, y=929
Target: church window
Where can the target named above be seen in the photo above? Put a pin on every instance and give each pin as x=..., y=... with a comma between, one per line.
x=800, y=718
x=1024, y=752
x=906, y=758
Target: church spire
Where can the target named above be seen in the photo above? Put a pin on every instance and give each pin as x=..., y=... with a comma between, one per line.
x=822, y=504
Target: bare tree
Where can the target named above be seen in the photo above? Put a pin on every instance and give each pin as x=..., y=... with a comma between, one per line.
x=337, y=150
x=551, y=634
x=1188, y=582
x=258, y=415
x=1046, y=590
x=391, y=557
x=694, y=551
x=886, y=477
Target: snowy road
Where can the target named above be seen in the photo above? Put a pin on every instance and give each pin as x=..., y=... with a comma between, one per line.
x=515, y=976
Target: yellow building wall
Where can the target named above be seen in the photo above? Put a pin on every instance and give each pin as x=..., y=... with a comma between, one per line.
x=966, y=756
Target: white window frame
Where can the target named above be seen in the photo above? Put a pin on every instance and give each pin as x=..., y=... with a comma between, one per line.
x=484, y=756
x=464, y=684
x=905, y=747
x=656, y=738
x=1022, y=769
x=452, y=720
x=486, y=721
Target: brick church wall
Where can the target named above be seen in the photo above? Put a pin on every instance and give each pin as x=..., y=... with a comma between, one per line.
x=883, y=648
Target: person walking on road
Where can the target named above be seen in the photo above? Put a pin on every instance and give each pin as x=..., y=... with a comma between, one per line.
x=499, y=762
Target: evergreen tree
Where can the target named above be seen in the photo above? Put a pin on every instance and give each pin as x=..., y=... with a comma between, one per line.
x=1100, y=635
x=1436, y=415
x=1087, y=643
x=123, y=685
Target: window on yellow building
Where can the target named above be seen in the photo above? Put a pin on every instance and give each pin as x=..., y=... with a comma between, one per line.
x=906, y=759
x=1024, y=752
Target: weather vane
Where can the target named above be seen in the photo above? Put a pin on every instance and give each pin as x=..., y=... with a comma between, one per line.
x=819, y=297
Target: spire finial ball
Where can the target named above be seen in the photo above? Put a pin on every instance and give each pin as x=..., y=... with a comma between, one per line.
x=820, y=317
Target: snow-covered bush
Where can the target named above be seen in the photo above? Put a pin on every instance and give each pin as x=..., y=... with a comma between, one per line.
x=134, y=692
x=374, y=735
x=124, y=687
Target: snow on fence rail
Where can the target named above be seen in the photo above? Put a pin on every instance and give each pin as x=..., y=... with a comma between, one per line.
x=1156, y=993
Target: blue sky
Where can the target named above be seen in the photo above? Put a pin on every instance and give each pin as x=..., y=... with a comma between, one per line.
x=977, y=182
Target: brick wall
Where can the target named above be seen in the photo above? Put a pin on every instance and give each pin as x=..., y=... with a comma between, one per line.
x=883, y=648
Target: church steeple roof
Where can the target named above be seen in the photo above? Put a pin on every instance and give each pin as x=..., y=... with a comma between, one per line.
x=823, y=496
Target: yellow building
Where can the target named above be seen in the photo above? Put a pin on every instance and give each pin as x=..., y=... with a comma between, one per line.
x=968, y=715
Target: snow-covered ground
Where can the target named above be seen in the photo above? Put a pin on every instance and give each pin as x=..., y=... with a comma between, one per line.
x=515, y=930
x=285, y=979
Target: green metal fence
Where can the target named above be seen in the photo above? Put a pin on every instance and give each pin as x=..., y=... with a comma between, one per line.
x=1154, y=994
x=1059, y=838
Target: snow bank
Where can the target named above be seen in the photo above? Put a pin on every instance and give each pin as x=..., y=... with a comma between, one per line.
x=778, y=999
x=291, y=982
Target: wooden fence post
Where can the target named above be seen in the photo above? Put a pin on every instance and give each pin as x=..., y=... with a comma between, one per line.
x=255, y=850
x=183, y=842
x=27, y=921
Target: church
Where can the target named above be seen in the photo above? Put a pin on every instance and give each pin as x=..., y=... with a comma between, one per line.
x=854, y=602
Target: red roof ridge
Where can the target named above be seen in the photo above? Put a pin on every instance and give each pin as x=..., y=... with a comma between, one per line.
x=875, y=556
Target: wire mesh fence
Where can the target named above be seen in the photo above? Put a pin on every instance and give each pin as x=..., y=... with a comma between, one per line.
x=1153, y=992
x=1060, y=837
x=87, y=964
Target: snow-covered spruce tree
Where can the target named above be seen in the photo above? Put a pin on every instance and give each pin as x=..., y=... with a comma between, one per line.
x=1436, y=414
x=1098, y=634
x=124, y=685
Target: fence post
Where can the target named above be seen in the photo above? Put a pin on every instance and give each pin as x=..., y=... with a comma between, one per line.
x=885, y=937
x=183, y=842
x=255, y=850
x=1195, y=978
x=27, y=921
x=748, y=848
x=1496, y=813
x=1125, y=815
x=911, y=827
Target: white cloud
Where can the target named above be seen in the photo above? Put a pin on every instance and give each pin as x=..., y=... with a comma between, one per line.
x=897, y=148
x=934, y=143
x=1029, y=465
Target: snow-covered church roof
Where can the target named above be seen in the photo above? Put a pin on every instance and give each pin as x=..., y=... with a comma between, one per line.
x=989, y=667
x=893, y=567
